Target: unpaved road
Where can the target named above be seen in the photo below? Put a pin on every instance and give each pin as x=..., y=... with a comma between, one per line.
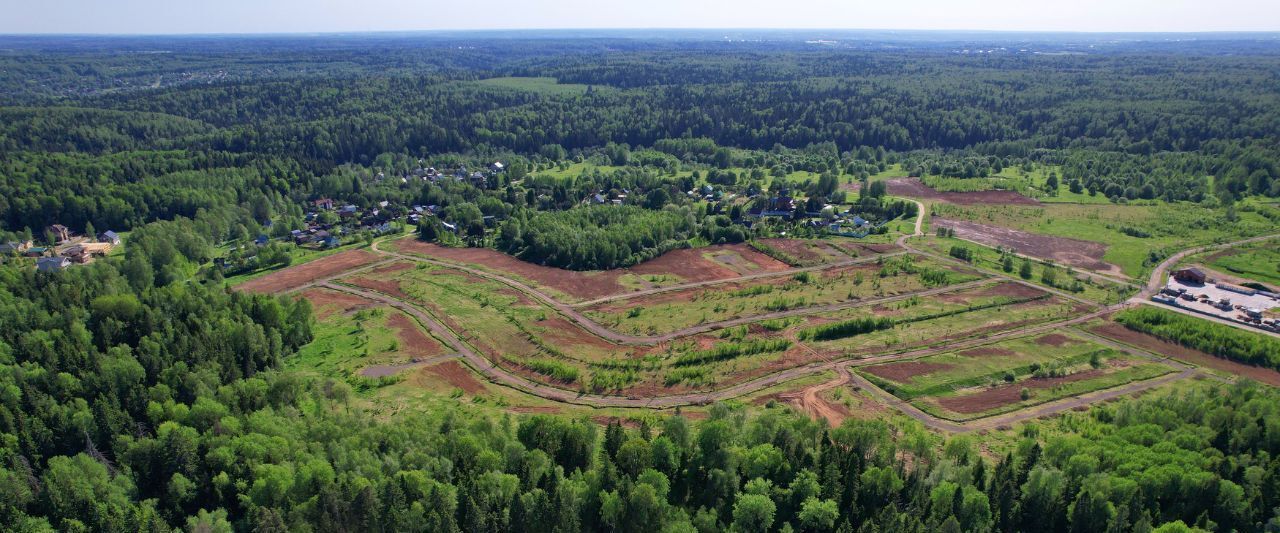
x=503, y=377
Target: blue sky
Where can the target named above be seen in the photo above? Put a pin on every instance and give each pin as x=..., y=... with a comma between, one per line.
x=267, y=16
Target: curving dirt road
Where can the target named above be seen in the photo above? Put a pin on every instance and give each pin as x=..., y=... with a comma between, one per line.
x=809, y=397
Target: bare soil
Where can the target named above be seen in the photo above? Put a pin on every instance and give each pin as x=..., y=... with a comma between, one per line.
x=688, y=264
x=914, y=188
x=1073, y=252
x=1055, y=340
x=388, y=287
x=1007, y=394
x=904, y=371
x=297, y=276
x=413, y=340
x=327, y=302
x=1152, y=344
x=809, y=252
x=380, y=371
x=987, y=351
x=457, y=375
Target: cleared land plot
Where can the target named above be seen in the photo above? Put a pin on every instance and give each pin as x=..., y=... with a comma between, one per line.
x=297, y=276
x=1010, y=375
x=1130, y=233
x=672, y=311
x=362, y=342
x=930, y=323
x=1074, y=252
x=811, y=252
x=679, y=266
x=1091, y=288
x=914, y=188
x=1153, y=344
x=1260, y=263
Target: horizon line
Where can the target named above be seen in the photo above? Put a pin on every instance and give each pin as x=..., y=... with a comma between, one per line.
x=1274, y=33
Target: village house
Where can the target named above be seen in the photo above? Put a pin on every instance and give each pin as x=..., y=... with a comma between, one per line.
x=109, y=237
x=324, y=203
x=36, y=251
x=15, y=247
x=60, y=233
x=52, y=264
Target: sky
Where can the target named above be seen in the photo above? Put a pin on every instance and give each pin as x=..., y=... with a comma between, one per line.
x=307, y=16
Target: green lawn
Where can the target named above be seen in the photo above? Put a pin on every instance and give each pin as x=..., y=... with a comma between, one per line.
x=1260, y=262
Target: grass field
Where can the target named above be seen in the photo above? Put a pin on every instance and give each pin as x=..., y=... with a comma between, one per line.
x=1170, y=227
x=672, y=311
x=1259, y=262
x=1009, y=375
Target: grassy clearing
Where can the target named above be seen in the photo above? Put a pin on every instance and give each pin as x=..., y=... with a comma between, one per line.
x=346, y=343
x=991, y=260
x=1169, y=227
x=681, y=309
x=1260, y=262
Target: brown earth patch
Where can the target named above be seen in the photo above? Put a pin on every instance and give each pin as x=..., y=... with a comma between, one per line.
x=1007, y=394
x=297, y=276
x=606, y=420
x=557, y=331
x=392, y=267
x=328, y=302
x=1056, y=340
x=456, y=375
x=388, y=287
x=1156, y=345
x=914, y=188
x=904, y=371
x=808, y=252
x=987, y=351
x=413, y=340
x=688, y=264
x=1072, y=252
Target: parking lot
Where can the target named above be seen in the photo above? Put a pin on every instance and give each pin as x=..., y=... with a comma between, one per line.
x=1209, y=299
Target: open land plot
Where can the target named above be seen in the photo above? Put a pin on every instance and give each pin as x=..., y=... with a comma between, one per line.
x=914, y=188
x=1010, y=375
x=1091, y=288
x=691, y=265
x=1073, y=252
x=1258, y=262
x=931, y=323
x=1130, y=233
x=530, y=339
x=297, y=276
x=1155, y=345
x=675, y=310
x=357, y=338
x=810, y=252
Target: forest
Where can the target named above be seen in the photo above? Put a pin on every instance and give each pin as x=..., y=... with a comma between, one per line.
x=141, y=393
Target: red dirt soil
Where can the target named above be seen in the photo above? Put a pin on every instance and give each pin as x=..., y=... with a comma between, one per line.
x=1006, y=394
x=987, y=351
x=1182, y=353
x=327, y=302
x=809, y=252
x=904, y=371
x=391, y=288
x=1072, y=252
x=412, y=339
x=1056, y=340
x=456, y=375
x=688, y=264
x=297, y=276
x=914, y=188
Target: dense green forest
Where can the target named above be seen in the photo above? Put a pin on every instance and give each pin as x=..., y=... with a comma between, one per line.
x=140, y=393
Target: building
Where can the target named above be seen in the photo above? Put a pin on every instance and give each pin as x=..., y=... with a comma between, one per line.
x=60, y=232
x=36, y=251
x=1189, y=275
x=52, y=264
x=324, y=203
x=83, y=252
x=109, y=237
x=15, y=247
x=1237, y=289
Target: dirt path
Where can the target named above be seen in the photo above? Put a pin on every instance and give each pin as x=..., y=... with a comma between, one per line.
x=816, y=407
